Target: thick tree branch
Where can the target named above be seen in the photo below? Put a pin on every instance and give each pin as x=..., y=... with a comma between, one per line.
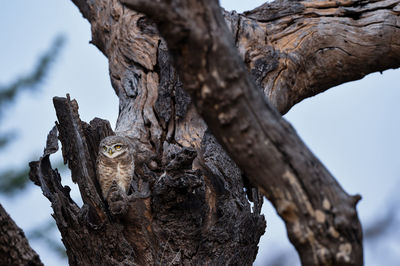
x=320, y=217
x=14, y=247
x=299, y=49
x=296, y=50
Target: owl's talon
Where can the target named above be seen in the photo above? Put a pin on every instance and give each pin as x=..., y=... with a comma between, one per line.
x=118, y=208
x=117, y=202
x=115, y=193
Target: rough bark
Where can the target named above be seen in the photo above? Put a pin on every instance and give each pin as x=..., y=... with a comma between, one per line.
x=255, y=135
x=189, y=205
x=88, y=237
x=297, y=49
x=14, y=246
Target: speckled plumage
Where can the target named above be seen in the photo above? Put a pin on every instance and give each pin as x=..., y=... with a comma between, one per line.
x=115, y=162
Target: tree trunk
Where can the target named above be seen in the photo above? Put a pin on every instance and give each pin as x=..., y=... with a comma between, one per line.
x=191, y=203
x=14, y=247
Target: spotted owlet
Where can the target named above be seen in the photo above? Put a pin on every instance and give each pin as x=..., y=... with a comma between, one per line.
x=115, y=163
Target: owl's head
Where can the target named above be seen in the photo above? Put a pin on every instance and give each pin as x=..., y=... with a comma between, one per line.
x=114, y=146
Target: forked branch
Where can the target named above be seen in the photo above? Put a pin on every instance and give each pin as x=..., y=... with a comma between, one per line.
x=320, y=217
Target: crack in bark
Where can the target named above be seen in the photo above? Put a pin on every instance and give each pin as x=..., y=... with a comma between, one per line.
x=322, y=49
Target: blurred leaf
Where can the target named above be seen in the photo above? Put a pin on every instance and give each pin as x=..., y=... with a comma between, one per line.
x=279, y=259
x=31, y=81
x=6, y=138
x=12, y=181
x=44, y=234
x=381, y=225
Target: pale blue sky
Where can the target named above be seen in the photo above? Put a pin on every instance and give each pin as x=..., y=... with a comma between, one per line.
x=352, y=128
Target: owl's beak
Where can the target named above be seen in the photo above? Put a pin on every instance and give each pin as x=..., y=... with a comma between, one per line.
x=110, y=151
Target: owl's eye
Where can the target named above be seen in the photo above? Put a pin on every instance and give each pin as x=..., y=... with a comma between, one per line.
x=117, y=147
x=104, y=148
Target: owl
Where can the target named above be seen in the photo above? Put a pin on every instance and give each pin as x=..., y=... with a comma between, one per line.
x=115, y=162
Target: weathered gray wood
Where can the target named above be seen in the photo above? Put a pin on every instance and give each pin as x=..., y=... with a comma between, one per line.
x=76, y=153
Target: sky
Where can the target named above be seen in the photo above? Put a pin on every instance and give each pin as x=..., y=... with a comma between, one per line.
x=352, y=128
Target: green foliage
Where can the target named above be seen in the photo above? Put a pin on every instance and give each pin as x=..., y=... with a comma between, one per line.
x=6, y=138
x=43, y=233
x=32, y=80
x=12, y=181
